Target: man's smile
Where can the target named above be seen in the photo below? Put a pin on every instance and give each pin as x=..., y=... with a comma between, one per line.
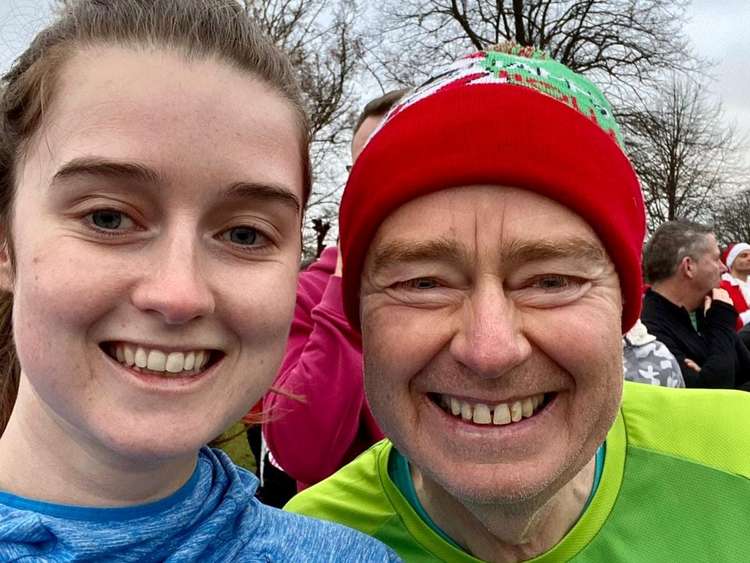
x=497, y=413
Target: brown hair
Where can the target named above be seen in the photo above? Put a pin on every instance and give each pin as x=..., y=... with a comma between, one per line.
x=196, y=28
x=380, y=106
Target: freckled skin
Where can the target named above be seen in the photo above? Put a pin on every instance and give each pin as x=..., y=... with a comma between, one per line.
x=174, y=279
x=485, y=330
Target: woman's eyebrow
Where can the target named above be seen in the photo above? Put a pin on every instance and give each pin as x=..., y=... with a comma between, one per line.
x=102, y=167
x=255, y=191
x=140, y=173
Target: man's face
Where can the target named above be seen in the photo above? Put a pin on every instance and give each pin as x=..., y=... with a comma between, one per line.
x=741, y=264
x=491, y=326
x=708, y=266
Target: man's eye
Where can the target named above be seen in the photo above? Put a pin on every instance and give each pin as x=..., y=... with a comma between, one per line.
x=420, y=283
x=244, y=236
x=552, y=282
x=110, y=220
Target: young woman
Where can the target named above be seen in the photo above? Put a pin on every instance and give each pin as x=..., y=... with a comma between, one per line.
x=153, y=172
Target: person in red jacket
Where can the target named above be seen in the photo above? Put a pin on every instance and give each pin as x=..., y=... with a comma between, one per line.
x=736, y=257
x=323, y=421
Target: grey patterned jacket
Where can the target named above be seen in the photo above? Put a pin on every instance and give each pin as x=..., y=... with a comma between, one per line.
x=646, y=360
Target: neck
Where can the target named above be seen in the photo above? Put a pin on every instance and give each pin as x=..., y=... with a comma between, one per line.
x=43, y=458
x=679, y=293
x=742, y=276
x=507, y=533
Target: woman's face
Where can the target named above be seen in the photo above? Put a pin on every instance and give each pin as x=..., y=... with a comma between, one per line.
x=156, y=224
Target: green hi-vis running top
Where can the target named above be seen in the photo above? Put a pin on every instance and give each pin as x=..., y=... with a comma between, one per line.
x=675, y=487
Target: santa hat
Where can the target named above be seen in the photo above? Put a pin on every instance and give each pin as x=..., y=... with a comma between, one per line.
x=733, y=251
x=509, y=117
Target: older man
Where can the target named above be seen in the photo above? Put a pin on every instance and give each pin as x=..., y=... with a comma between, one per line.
x=491, y=233
x=686, y=309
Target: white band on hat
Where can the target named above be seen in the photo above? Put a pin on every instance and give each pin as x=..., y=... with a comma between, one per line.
x=735, y=252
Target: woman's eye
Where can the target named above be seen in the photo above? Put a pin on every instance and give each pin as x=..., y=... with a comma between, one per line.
x=244, y=236
x=110, y=220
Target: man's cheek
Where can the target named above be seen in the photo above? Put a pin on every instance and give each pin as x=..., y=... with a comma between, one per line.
x=376, y=334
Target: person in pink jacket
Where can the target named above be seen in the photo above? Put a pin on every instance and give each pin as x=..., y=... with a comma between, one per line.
x=323, y=421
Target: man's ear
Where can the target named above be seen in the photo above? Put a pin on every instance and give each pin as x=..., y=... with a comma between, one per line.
x=6, y=266
x=687, y=267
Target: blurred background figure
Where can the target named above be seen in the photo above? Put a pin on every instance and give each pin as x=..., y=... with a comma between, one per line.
x=646, y=360
x=687, y=310
x=322, y=420
x=736, y=257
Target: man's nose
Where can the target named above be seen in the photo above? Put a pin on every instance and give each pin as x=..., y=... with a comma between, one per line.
x=174, y=285
x=490, y=340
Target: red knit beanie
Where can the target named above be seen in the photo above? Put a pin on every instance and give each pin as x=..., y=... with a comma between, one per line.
x=511, y=118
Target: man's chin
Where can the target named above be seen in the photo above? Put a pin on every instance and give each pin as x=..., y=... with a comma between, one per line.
x=480, y=486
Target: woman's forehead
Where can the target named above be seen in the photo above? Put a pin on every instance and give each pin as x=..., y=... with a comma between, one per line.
x=180, y=116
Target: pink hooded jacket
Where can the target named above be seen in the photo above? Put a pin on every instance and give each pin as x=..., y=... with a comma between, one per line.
x=323, y=364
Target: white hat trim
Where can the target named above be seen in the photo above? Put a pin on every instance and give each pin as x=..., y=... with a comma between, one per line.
x=735, y=252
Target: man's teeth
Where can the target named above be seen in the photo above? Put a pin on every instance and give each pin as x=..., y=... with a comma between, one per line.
x=156, y=360
x=502, y=413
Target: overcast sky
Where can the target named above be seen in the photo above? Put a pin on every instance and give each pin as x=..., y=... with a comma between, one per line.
x=719, y=30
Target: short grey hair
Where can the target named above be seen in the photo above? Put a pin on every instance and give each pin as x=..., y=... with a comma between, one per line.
x=669, y=244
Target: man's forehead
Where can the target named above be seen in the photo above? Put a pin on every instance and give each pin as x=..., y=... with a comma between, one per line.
x=513, y=220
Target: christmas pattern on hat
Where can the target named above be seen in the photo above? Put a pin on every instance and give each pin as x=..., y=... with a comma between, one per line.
x=521, y=66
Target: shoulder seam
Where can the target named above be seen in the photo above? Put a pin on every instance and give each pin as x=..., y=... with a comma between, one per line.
x=692, y=461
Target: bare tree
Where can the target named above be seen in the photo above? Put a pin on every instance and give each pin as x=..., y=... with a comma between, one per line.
x=325, y=46
x=619, y=42
x=681, y=150
x=624, y=45
x=686, y=158
x=732, y=218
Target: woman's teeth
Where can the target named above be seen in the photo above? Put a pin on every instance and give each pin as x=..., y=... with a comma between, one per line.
x=168, y=363
x=499, y=414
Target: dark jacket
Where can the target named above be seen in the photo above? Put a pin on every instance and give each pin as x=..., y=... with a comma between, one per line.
x=715, y=346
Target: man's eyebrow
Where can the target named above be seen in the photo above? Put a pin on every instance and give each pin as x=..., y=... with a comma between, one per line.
x=96, y=166
x=262, y=191
x=518, y=252
x=397, y=251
